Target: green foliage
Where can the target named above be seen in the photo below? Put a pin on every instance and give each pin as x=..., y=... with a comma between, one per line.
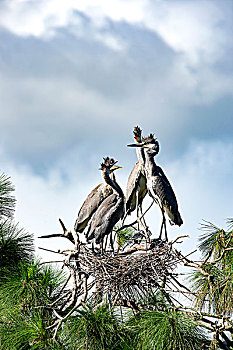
x=27, y=331
x=207, y=296
x=158, y=302
x=24, y=315
x=230, y=224
x=214, y=289
x=16, y=245
x=29, y=286
x=95, y=329
x=166, y=330
x=7, y=201
x=125, y=236
x=214, y=241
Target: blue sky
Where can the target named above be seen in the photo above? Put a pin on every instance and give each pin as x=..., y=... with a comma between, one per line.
x=77, y=76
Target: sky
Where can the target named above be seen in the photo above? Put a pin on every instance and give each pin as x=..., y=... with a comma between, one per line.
x=77, y=76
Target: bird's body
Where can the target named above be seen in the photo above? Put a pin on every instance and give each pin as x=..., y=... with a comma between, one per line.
x=158, y=185
x=93, y=200
x=107, y=215
x=161, y=190
x=136, y=189
x=109, y=212
x=90, y=205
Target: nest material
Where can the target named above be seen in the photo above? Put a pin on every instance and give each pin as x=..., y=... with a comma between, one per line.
x=131, y=276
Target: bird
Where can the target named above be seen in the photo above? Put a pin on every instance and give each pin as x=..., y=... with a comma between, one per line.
x=93, y=201
x=136, y=189
x=111, y=210
x=158, y=184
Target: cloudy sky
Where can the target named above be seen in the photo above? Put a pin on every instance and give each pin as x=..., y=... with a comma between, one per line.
x=76, y=76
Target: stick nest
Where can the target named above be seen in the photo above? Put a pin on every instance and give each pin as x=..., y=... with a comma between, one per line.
x=128, y=277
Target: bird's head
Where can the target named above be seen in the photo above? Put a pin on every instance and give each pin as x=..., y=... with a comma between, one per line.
x=109, y=165
x=150, y=143
x=137, y=133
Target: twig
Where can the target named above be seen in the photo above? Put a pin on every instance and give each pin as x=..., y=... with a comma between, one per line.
x=53, y=235
x=62, y=319
x=188, y=262
x=137, y=220
x=177, y=238
x=51, y=262
x=51, y=251
x=179, y=291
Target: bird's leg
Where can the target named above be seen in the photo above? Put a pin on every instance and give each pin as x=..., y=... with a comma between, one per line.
x=143, y=219
x=106, y=241
x=145, y=226
x=123, y=220
x=139, y=211
x=109, y=301
x=165, y=228
x=163, y=224
x=111, y=242
x=162, y=211
x=148, y=233
x=138, y=224
x=125, y=216
x=161, y=230
x=140, y=217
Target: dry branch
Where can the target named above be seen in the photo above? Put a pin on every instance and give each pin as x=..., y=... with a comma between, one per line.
x=127, y=276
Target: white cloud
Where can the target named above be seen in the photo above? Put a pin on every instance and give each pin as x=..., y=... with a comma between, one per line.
x=111, y=41
x=198, y=30
x=35, y=18
x=44, y=18
x=49, y=105
x=194, y=28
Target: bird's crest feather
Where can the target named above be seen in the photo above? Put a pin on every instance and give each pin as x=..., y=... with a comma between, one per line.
x=108, y=163
x=137, y=131
x=149, y=139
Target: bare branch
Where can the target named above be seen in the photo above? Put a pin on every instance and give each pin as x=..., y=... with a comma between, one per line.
x=138, y=220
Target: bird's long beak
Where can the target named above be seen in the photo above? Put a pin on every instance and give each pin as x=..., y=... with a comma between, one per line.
x=136, y=145
x=115, y=167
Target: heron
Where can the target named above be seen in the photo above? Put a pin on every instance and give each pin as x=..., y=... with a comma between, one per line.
x=136, y=189
x=158, y=184
x=111, y=210
x=93, y=201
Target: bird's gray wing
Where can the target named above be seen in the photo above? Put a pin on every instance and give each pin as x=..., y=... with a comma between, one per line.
x=107, y=215
x=133, y=182
x=90, y=205
x=164, y=191
x=160, y=171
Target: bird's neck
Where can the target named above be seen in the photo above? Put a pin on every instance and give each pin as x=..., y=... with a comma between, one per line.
x=112, y=182
x=112, y=177
x=150, y=164
x=140, y=155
